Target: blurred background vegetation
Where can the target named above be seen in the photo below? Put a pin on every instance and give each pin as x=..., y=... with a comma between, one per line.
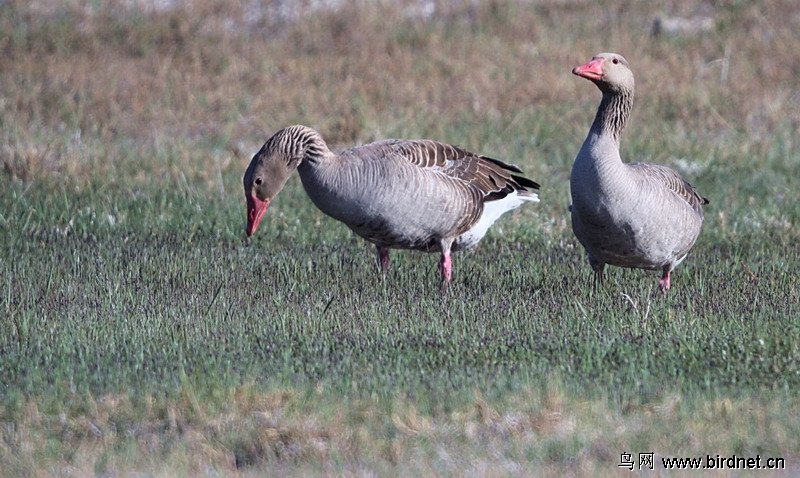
x=130, y=79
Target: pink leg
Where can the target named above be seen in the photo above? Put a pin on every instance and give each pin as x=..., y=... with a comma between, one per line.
x=383, y=259
x=663, y=284
x=446, y=266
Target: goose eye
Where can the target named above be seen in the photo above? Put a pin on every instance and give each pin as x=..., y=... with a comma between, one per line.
x=615, y=61
x=258, y=181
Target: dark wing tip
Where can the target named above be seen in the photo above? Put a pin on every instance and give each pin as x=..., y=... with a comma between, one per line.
x=521, y=180
x=525, y=182
x=502, y=164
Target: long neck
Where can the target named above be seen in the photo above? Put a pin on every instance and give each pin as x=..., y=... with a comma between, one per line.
x=613, y=113
x=318, y=166
x=598, y=171
x=315, y=149
x=300, y=144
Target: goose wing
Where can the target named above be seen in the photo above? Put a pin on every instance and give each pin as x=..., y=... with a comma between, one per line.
x=674, y=182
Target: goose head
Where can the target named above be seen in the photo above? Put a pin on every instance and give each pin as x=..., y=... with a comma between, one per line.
x=269, y=170
x=609, y=71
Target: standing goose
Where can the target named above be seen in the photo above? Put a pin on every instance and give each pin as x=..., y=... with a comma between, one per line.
x=402, y=194
x=636, y=215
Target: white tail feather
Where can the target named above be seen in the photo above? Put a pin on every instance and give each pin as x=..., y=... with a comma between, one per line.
x=492, y=211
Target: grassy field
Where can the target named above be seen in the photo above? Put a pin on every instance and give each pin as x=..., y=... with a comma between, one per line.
x=143, y=334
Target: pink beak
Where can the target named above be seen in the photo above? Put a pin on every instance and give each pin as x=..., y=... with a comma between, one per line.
x=255, y=211
x=592, y=70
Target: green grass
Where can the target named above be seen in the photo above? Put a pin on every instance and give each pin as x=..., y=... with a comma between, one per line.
x=142, y=332
x=174, y=303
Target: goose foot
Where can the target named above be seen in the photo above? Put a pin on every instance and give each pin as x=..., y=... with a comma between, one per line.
x=598, y=268
x=664, y=282
x=446, y=267
x=383, y=259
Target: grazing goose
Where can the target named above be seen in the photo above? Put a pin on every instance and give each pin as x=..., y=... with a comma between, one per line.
x=402, y=194
x=636, y=215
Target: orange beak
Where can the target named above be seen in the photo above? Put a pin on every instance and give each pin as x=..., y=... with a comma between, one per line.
x=592, y=70
x=255, y=211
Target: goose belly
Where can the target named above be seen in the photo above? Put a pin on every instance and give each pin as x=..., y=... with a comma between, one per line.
x=638, y=237
x=406, y=219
